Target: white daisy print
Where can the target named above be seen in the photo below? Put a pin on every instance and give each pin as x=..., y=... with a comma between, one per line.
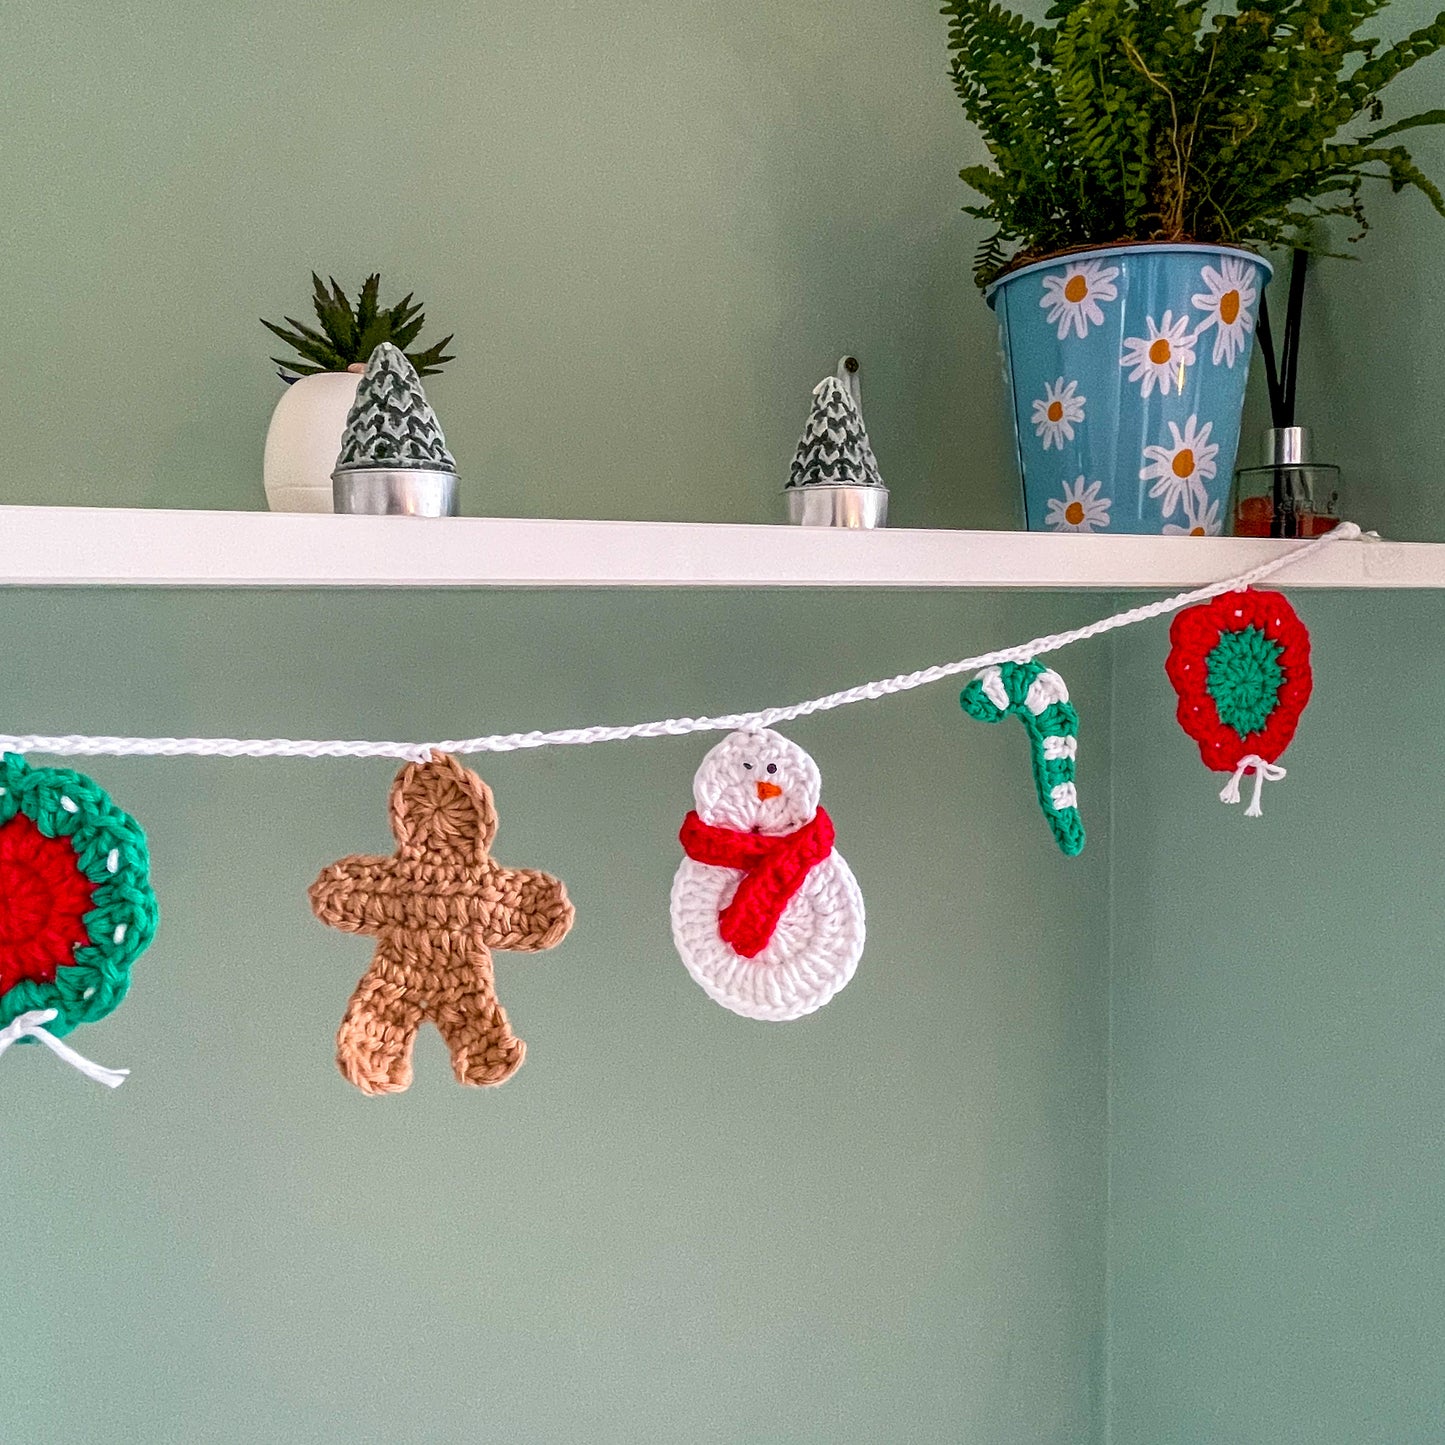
x=1179, y=472
x=1197, y=523
x=1228, y=304
x=1159, y=359
x=1057, y=414
x=1074, y=300
x=1081, y=508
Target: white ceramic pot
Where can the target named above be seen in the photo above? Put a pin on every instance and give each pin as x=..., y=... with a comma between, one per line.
x=304, y=440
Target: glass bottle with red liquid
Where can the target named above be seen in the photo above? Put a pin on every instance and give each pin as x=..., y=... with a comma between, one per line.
x=1290, y=495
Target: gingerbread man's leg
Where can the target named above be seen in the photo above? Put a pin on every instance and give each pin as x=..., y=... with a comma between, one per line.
x=373, y=1045
x=463, y=1005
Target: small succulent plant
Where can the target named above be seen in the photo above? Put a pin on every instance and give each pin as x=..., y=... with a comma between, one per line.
x=350, y=334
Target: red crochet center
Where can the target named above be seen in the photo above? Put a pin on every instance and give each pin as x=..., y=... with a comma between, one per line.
x=1195, y=633
x=44, y=898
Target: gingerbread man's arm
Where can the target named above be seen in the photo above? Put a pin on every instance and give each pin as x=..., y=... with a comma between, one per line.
x=346, y=895
x=529, y=911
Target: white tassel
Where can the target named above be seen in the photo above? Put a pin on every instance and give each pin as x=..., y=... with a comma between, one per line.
x=1262, y=770
x=31, y=1025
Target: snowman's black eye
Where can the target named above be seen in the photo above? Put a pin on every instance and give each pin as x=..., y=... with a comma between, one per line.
x=748, y=766
x=772, y=767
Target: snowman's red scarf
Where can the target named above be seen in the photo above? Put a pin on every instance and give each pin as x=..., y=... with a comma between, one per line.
x=773, y=870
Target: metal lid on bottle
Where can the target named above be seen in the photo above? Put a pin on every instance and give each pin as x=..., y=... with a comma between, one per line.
x=1286, y=446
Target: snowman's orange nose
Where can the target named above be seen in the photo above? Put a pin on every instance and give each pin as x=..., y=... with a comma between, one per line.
x=768, y=790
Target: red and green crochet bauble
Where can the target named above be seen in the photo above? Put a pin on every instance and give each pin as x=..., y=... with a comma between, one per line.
x=1241, y=667
x=76, y=906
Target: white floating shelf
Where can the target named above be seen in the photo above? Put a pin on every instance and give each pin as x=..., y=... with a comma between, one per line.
x=124, y=547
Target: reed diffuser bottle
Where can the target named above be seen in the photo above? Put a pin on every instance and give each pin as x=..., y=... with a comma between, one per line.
x=1291, y=495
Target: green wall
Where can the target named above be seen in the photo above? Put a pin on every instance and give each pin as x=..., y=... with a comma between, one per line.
x=1275, y=1150
x=1277, y=1172
x=881, y=1223
x=653, y=227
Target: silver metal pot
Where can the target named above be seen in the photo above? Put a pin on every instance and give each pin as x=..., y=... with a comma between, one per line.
x=398, y=492
x=826, y=504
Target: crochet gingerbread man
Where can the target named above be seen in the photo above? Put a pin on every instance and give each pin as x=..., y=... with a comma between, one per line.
x=436, y=907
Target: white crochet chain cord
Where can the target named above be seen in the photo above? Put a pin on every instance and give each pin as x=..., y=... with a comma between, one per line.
x=80, y=745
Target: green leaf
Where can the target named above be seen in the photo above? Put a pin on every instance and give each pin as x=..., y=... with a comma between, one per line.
x=309, y=344
x=403, y=311
x=333, y=311
x=378, y=331
x=403, y=336
x=1403, y=172
x=431, y=361
x=366, y=305
x=348, y=336
x=1426, y=117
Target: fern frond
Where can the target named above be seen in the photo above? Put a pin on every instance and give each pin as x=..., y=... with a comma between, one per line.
x=1143, y=119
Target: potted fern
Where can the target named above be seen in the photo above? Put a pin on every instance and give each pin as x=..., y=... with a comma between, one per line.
x=304, y=437
x=1140, y=152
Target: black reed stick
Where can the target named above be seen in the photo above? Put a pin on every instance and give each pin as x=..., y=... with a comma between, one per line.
x=1281, y=365
x=1271, y=371
x=1290, y=363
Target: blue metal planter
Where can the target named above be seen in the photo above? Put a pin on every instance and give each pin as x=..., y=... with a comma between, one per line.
x=1126, y=367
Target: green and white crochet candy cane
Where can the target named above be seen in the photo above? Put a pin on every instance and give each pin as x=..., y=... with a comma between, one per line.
x=1038, y=697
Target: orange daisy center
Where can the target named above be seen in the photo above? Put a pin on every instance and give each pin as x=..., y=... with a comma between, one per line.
x=1074, y=513
x=1229, y=307
x=1075, y=289
x=1159, y=353
x=1055, y=411
x=1196, y=531
x=1183, y=463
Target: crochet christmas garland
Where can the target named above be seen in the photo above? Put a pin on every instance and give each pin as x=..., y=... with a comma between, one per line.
x=1241, y=667
x=1039, y=698
x=767, y=916
x=437, y=907
x=76, y=905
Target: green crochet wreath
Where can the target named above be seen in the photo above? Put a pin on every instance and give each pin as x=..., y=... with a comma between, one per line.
x=76, y=906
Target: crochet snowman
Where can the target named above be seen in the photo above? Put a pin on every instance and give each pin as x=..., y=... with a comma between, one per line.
x=767, y=916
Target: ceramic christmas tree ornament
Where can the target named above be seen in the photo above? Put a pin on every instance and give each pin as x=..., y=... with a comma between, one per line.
x=437, y=907
x=1039, y=698
x=766, y=915
x=76, y=907
x=834, y=480
x=394, y=458
x=1241, y=667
